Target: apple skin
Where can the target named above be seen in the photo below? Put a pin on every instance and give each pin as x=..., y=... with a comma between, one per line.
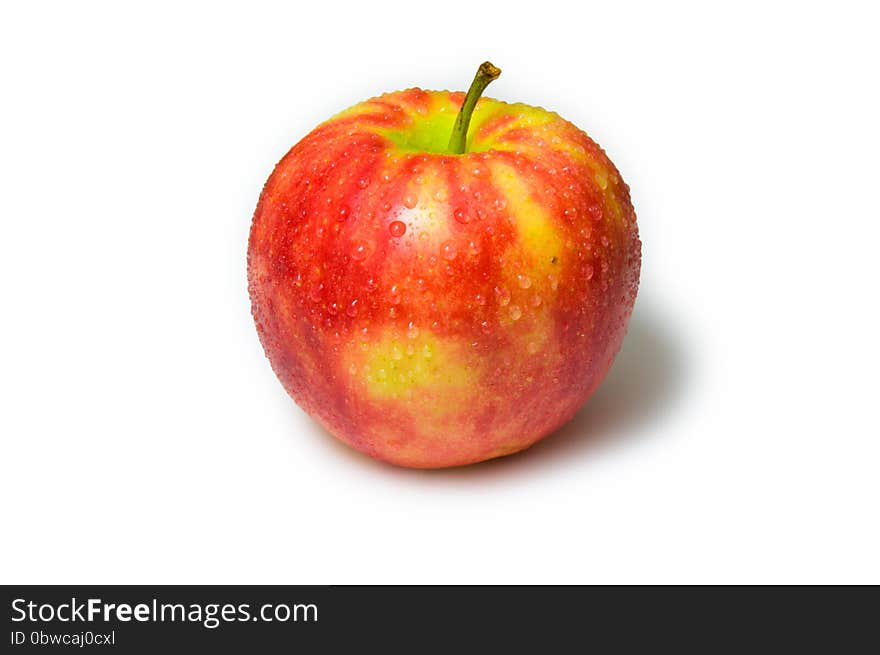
x=432, y=309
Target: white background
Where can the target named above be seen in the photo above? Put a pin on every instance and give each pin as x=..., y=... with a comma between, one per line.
x=146, y=440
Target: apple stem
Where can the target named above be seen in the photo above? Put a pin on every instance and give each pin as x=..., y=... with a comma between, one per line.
x=485, y=74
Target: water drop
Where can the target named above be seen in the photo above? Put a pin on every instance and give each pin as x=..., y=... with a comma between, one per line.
x=461, y=216
x=397, y=228
x=409, y=201
x=524, y=281
x=343, y=213
x=359, y=253
x=448, y=251
x=515, y=312
x=412, y=331
x=363, y=183
x=352, y=309
x=502, y=295
x=480, y=299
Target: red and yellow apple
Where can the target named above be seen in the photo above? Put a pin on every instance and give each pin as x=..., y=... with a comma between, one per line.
x=441, y=279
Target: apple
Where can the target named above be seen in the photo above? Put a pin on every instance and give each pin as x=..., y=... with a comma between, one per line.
x=441, y=278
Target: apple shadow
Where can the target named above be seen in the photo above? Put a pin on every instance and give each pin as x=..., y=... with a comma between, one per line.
x=644, y=384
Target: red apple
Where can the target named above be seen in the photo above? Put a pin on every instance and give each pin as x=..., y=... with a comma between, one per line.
x=440, y=279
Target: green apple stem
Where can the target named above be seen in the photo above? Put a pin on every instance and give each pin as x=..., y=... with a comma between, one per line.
x=485, y=74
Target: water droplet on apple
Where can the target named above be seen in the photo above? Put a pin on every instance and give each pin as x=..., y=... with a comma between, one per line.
x=412, y=331
x=448, y=251
x=363, y=183
x=480, y=299
x=397, y=228
x=461, y=216
x=502, y=295
x=352, y=308
x=524, y=281
x=410, y=201
x=515, y=312
x=359, y=252
x=343, y=212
